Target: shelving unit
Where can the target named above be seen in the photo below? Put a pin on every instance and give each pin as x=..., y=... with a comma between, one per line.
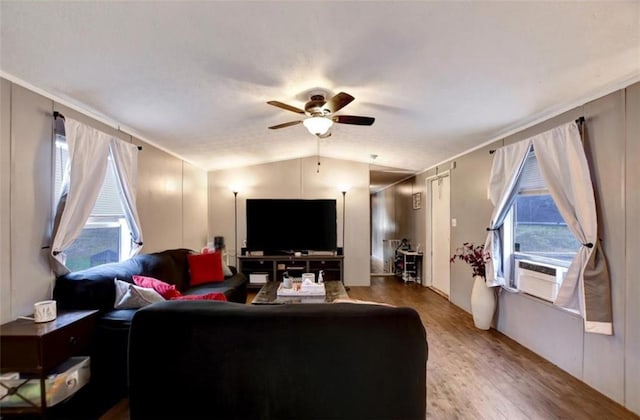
x=275, y=266
x=411, y=266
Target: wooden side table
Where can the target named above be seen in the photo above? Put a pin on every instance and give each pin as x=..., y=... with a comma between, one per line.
x=36, y=349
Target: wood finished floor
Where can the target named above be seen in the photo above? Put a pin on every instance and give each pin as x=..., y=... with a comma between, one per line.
x=475, y=374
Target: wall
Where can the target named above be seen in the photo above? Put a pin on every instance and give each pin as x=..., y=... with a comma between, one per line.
x=171, y=196
x=610, y=364
x=30, y=144
x=298, y=178
x=632, y=284
x=471, y=209
x=5, y=202
x=194, y=207
x=393, y=217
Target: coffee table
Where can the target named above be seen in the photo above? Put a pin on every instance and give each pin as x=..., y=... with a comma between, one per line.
x=268, y=294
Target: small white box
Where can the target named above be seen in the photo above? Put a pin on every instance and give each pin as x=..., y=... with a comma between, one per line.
x=64, y=381
x=258, y=278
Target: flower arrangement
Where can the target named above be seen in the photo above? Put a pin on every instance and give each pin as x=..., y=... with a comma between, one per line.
x=474, y=255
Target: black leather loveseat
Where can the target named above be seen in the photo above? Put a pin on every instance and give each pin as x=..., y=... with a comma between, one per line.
x=190, y=360
x=94, y=289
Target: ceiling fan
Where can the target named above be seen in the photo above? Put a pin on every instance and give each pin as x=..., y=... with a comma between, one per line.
x=320, y=112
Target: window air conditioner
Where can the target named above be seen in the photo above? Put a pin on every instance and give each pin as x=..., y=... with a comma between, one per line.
x=540, y=280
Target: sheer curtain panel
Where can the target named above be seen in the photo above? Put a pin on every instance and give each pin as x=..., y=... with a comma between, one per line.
x=564, y=167
x=125, y=158
x=508, y=162
x=88, y=159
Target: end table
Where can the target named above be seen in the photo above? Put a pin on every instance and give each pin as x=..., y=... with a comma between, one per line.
x=36, y=348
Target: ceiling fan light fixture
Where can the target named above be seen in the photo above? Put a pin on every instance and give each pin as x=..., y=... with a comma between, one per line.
x=318, y=125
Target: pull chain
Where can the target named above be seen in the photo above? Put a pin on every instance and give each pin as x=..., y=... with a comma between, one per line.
x=318, y=154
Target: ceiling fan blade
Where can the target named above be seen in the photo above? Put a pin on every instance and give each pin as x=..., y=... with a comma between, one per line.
x=285, y=106
x=287, y=124
x=339, y=101
x=353, y=119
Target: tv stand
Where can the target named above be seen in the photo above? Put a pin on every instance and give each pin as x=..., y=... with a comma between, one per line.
x=275, y=265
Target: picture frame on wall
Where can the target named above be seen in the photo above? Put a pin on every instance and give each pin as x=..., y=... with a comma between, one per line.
x=417, y=201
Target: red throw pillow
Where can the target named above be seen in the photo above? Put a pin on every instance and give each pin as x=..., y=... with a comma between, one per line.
x=207, y=296
x=205, y=268
x=166, y=290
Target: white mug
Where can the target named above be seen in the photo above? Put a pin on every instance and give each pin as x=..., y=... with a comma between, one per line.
x=286, y=281
x=44, y=311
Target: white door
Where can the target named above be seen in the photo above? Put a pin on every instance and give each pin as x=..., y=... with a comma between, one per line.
x=440, y=234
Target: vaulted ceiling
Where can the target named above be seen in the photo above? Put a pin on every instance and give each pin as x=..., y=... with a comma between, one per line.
x=439, y=77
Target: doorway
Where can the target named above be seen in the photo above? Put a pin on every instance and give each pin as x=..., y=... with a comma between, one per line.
x=439, y=232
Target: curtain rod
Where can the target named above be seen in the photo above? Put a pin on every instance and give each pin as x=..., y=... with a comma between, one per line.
x=57, y=115
x=579, y=121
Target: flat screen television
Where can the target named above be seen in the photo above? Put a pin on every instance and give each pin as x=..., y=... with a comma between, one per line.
x=282, y=226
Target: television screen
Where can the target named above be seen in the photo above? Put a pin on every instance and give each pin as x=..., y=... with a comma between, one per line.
x=278, y=226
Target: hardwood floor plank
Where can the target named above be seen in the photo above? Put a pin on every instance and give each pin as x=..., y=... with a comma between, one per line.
x=476, y=374
x=119, y=411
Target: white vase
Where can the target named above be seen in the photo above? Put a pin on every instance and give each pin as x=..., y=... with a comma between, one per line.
x=483, y=303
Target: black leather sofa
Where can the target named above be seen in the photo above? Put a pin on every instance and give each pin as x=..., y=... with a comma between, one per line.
x=94, y=289
x=190, y=360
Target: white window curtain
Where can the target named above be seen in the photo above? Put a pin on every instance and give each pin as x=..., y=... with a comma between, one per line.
x=89, y=150
x=563, y=164
x=564, y=167
x=88, y=154
x=125, y=159
x=508, y=162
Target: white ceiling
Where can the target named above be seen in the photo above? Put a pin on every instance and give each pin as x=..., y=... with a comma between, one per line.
x=439, y=77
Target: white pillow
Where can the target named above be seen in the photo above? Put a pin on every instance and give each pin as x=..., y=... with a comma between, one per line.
x=226, y=270
x=130, y=296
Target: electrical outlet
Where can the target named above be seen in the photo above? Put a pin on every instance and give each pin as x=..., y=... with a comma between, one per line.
x=454, y=222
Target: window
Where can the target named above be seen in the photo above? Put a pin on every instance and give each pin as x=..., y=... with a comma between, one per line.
x=534, y=231
x=540, y=231
x=106, y=236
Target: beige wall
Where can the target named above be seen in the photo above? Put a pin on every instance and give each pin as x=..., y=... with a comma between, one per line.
x=5, y=202
x=298, y=178
x=393, y=217
x=610, y=364
x=472, y=210
x=30, y=212
x=607, y=148
x=194, y=207
x=159, y=199
x=632, y=284
x=166, y=186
